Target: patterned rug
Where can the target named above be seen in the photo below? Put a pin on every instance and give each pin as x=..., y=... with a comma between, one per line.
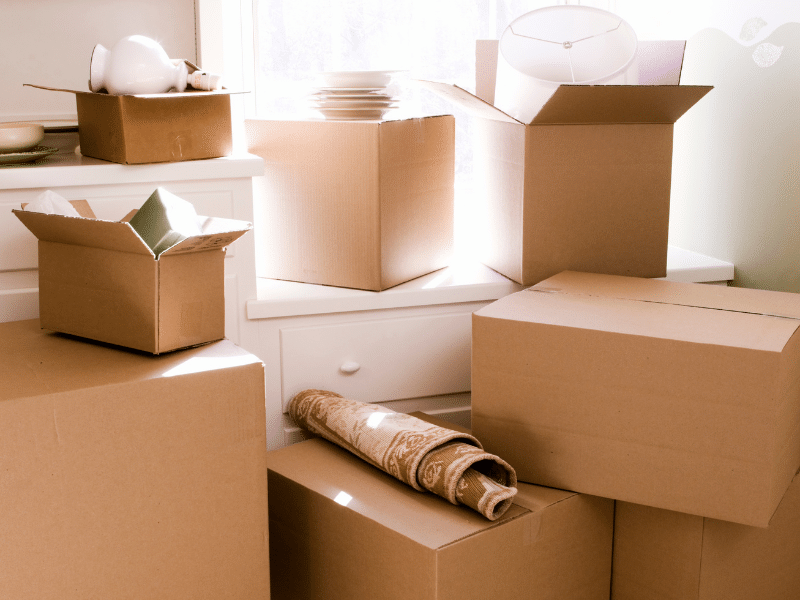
x=448, y=463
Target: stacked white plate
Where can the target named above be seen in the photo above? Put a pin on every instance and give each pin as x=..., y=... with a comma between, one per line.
x=353, y=95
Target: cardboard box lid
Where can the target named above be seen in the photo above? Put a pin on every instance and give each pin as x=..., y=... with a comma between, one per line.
x=590, y=104
x=686, y=312
x=344, y=478
x=120, y=236
x=744, y=300
x=34, y=362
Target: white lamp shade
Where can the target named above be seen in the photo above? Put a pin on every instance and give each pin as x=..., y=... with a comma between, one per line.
x=551, y=46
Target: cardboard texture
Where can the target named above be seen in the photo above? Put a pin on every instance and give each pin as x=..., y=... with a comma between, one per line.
x=358, y=204
x=585, y=185
x=342, y=529
x=150, y=128
x=673, y=395
x=130, y=476
x=99, y=279
x=665, y=555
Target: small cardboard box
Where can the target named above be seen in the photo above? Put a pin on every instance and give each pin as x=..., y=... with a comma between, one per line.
x=341, y=529
x=150, y=128
x=674, y=395
x=130, y=476
x=99, y=280
x=356, y=204
x=585, y=185
x=665, y=555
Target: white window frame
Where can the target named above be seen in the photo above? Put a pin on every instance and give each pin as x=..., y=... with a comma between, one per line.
x=226, y=44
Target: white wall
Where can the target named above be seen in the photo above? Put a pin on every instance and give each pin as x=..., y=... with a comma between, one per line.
x=49, y=42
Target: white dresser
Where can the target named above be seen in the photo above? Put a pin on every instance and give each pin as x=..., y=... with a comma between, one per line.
x=408, y=347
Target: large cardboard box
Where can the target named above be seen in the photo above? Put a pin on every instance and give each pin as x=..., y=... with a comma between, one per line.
x=99, y=279
x=356, y=204
x=665, y=555
x=150, y=128
x=674, y=395
x=124, y=475
x=586, y=184
x=342, y=529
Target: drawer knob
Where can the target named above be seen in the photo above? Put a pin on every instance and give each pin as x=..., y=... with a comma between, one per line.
x=349, y=367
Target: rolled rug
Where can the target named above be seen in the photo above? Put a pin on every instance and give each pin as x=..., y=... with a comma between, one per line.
x=448, y=463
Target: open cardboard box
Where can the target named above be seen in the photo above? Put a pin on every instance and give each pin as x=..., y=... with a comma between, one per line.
x=665, y=555
x=673, y=395
x=130, y=476
x=99, y=279
x=586, y=184
x=341, y=529
x=150, y=128
x=356, y=204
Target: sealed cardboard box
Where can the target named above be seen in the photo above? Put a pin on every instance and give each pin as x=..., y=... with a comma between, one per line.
x=130, y=476
x=150, y=128
x=342, y=529
x=585, y=185
x=99, y=279
x=665, y=555
x=672, y=395
x=356, y=204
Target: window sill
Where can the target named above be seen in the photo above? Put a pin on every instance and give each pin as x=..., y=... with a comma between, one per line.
x=460, y=282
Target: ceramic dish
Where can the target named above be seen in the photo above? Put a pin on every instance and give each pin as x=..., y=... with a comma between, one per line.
x=353, y=103
x=347, y=114
x=350, y=90
x=16, y=137
x=8, y=158
x=353, y=79
x=335, y=96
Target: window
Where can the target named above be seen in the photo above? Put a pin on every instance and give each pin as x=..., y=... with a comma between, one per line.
x=276, y=46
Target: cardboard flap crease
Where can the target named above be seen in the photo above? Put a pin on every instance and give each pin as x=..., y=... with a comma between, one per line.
x=740, y=300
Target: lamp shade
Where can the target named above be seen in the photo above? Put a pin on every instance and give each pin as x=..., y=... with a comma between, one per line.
x=551, y=46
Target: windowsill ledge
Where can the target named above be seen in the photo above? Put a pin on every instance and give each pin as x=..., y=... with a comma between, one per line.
x=458, y=283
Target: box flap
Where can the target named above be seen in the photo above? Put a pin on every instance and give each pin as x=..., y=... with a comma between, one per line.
x=217, y=233
x=586, y=104
x=464, y=99
x=186, y=94
x=81, y=231
x=589, y=104
x=744, y=300
x=344, y=478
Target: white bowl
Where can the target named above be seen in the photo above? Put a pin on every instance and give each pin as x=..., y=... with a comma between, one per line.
x=20, y=136
x=356, y=79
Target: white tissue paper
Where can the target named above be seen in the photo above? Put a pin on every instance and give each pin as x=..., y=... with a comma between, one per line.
x=52, y=204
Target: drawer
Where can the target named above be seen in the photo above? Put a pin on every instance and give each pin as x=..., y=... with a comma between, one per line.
x=379, y=360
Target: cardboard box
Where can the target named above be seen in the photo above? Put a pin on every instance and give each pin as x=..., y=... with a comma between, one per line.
x=150, y=128
x=342, y=529
x=673, y=395
x=99, y=280
x=664, y=555
x=585, y=185
x=130, y=476
x=356, y=204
